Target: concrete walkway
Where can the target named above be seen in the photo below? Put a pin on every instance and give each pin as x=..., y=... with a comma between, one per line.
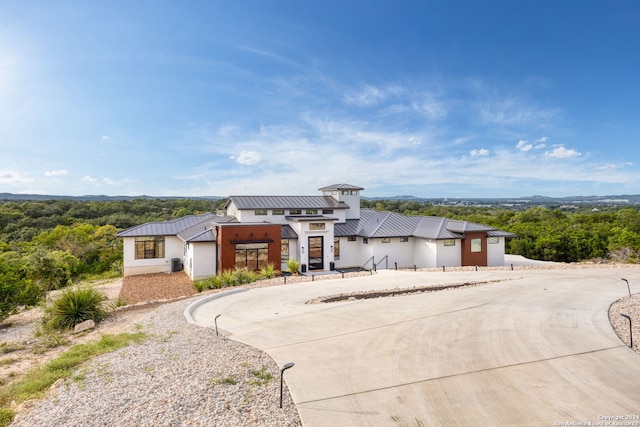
x=534, y=349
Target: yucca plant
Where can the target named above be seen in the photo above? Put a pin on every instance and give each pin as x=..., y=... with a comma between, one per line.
x=75, y=306
x=228, y=278
x=269, y=271
x=244, y=275
x=293, y=266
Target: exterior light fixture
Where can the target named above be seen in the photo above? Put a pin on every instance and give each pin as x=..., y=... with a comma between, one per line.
x=628, y=288
x=331, y=248
x=284, y=368
x=630, y=329
x=215, y=320
x=302, y=249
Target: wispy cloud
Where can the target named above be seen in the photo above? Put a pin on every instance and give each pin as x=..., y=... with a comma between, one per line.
x=480, y=152
x=58, y=172
x=372, y=95
x=12, y=177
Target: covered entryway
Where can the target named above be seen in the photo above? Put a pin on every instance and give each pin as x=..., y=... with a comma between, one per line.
x=316, y=249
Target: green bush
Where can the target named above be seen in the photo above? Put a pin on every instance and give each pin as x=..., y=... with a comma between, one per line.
x=244, y=275
x=293, y=266
x=75, y=306
x=269, y=271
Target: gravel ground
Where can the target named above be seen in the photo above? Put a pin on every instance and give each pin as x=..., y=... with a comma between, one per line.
x=183, y=375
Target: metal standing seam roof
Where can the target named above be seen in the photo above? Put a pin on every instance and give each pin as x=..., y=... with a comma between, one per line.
x=285, y=202
x=336, y=187
x=203, y=232
x=390, y=224
x=167, y=228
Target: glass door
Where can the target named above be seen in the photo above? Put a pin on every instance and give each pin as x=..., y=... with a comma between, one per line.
x=316, y=249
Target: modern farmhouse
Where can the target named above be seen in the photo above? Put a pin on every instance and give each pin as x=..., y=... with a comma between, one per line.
x=323, y=233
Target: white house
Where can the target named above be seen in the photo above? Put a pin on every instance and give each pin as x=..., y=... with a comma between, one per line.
x=323, y=233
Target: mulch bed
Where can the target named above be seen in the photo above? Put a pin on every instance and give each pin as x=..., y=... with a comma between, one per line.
x=157, y=286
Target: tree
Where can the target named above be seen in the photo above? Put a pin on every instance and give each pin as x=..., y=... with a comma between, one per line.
x=15, y=289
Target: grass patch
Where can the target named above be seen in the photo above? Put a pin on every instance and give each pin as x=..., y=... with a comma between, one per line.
x=10, y=347
x=35, y=384
x=263, y=376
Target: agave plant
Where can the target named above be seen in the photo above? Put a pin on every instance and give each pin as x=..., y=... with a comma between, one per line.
x=293, y=266
x=75, y=306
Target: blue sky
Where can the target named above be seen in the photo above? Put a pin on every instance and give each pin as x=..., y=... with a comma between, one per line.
x=216, y=98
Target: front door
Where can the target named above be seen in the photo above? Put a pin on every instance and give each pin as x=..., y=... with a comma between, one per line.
x=316, y=250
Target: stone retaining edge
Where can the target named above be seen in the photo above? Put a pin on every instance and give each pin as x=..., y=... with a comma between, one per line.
x=196, y=304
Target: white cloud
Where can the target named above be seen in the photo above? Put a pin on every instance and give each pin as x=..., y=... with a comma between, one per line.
x=248, y=158
x=523, y=145
x=562, y=153
x=105, y=137
x=88, y=178
x=480, y=152
x=11, y=177
x=372, y=95
x=58, y=172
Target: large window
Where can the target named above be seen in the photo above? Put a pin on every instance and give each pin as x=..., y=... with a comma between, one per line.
x=476, y=245
x=284, y=249
x=336, y=248
x=253, y=256
x=149, y=247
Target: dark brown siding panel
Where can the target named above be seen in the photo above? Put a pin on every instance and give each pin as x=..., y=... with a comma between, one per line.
x=474, y=258
x=228, y=234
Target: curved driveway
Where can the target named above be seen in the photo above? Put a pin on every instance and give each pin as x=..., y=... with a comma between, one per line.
x=533, y=349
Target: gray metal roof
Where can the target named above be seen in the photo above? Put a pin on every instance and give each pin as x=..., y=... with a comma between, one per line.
x=285, y=202
x=286, y=232
x=390, y=224
x=203, y=232
x=167, y=228
x=336, y=187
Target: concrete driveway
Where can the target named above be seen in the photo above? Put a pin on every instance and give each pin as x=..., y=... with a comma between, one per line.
x=534, y=349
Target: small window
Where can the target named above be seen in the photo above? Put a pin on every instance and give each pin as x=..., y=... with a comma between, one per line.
x=493, y=240
x=404, y=239
x=327, y=211
x=351, y=239
x=354, y=192
x=365, y=240
x=345, y=192
x=312, y=211
x=295, y=211
x=476, y=245
x=386, y=240
x=261, y=212
x=316, y=226
x=336, y=248
x=450, y=242
x=284, y=249
x=278, y=211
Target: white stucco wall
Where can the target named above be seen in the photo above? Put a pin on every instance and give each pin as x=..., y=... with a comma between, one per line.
x=204, y=260
x=395, y=251
x=172, y=249
x=495, y=253
x=349, y=253
x=425, y=253
x=449, y=256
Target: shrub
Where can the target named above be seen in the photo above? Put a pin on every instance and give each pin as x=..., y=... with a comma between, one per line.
x=269, y=271
x=75, y=306
x=293, y=266
x=227, y=278
x=244, y=275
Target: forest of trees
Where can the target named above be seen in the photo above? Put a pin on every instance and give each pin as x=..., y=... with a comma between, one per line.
x=47, y=245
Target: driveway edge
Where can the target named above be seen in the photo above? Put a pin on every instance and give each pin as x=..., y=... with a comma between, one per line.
x=196, y=304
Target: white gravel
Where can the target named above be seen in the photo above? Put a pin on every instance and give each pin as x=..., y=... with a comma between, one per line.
x=183, y=375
